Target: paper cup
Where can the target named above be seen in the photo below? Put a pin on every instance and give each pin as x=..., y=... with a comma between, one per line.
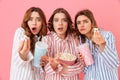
x=40, y=50
x=86, y=53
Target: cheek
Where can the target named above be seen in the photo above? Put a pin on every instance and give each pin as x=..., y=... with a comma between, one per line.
x=66, y=26
x=28, y=23
x=39, y=23
x=78, y=27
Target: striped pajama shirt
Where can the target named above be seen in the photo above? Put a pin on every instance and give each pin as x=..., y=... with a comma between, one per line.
x=57, y=44
x=106, y=62
x=22, y=70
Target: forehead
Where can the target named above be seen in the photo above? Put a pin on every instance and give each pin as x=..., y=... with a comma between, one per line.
x=82, y=17
x=59, y=15
x=35, y=14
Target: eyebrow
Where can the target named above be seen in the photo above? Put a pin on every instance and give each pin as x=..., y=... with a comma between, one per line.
x=82, y=20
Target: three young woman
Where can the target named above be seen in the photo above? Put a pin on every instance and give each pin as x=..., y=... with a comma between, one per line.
x=61, y=39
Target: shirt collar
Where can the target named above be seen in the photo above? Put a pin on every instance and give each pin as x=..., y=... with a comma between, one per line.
x=58, y=38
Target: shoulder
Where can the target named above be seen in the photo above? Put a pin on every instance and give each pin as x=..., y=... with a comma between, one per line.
x=107, y=34
x=19, y=33
x=48, y=37
x=20, y=30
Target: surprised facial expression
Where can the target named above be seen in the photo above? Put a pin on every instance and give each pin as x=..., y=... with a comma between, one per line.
x=35, y=23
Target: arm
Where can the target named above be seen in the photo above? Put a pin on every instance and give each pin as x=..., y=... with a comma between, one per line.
x=109, y=53
x=16, y=58
x=48, y=68
x=74, y=69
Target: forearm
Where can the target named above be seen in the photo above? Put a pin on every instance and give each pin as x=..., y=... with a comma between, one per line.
x=110, y=57
x=74, y=69
x=23, y=56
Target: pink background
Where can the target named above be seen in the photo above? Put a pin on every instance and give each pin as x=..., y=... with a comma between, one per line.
x=106, y=12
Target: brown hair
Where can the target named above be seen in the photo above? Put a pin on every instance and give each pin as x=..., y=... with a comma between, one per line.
x=25, y=26
x=69, y=20
x=88, y=14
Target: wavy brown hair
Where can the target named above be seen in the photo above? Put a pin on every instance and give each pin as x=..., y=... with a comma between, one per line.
x=89, y=15
x=68, y=17
x=24, y=25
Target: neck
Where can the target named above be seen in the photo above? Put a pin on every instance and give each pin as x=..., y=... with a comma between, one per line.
x=89, y=35
x=62, y=36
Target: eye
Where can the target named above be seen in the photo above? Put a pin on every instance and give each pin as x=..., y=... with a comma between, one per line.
x=30, y=19
x=65, y=20
x=38, y=19
x=55, y=20
x=78, y=22
x=85, y=21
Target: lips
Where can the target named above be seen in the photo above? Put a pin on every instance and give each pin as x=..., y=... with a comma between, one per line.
x=60, y=29
x=34, y=29
x=82, y=29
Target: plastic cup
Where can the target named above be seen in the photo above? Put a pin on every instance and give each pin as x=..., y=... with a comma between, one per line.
x=86, y=53
x=40, y=50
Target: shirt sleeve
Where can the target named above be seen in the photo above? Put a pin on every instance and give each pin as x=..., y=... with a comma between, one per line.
x=109, y=54
x=71, y=70
x=48, y=68
x=75, y=69
x=16, y=59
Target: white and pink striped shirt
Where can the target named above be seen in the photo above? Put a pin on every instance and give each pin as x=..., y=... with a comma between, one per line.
x=62, y=45
x=20, y=69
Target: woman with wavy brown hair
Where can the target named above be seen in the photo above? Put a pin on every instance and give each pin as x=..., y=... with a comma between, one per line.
x=32, y=29
x=60, y=40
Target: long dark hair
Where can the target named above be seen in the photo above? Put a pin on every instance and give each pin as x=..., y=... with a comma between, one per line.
x=88, y=14
x=25, y=26
x=69, y=20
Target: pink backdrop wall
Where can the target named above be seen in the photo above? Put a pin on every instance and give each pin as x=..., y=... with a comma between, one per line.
x=106, y=12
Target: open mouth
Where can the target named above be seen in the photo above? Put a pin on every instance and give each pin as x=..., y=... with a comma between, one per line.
x=33, y=28
x=60, y=29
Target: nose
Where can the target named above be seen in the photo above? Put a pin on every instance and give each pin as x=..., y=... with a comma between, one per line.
x=82, y=24
x=34, y=21
x=60, y=22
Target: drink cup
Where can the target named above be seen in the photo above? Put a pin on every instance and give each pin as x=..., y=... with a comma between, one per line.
x=86, y=53
x=40, y=50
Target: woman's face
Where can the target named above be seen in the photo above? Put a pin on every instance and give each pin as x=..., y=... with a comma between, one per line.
x=60, y=24
x=35, y=23
x=83, y=24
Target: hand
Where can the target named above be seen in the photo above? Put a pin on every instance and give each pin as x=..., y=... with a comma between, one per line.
x=44, y=60
x=24, y=48
x=97, y=38
x=64, y=70
x=81, y=58
x=54, y=63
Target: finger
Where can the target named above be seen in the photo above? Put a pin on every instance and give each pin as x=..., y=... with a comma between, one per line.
x=45, y=58
x=79, y=54
x=20, y=45
x=28, y=41
x=25, y=46
x=95, y=34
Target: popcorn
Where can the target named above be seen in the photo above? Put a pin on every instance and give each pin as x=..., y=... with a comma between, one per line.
x=67, y=57
x=95, y=29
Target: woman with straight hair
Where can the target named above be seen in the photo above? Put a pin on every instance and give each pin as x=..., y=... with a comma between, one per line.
x=102, y=46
